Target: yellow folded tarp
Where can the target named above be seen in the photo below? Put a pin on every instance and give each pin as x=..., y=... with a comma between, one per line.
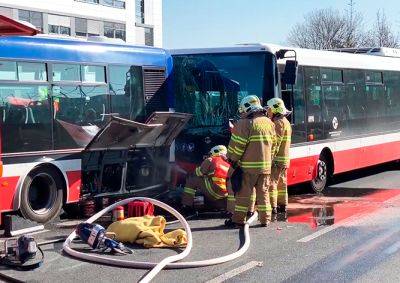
x=147, y=231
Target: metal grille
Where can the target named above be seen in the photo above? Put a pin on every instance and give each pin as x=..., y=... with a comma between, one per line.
x=153, y=80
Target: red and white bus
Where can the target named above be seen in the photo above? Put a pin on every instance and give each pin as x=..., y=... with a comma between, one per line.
x=346, y=105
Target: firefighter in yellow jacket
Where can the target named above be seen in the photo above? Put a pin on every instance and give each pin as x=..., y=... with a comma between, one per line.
x=210, y=178
x=278, y=186
x=250, y=149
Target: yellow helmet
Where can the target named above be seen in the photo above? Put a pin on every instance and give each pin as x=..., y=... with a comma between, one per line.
x=250, y=103
x=277, y=106
x=218, y=150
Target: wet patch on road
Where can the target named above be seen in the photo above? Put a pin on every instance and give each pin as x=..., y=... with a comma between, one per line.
x=336, y=204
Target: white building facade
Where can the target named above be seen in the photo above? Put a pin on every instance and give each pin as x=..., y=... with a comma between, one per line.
x=135, y=21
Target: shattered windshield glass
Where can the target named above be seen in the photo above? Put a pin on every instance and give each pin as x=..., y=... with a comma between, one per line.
x=210, y=86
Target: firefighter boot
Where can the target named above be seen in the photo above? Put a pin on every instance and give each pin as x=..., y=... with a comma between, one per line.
x=232, y=225
x=266, y=224
x=282, y=208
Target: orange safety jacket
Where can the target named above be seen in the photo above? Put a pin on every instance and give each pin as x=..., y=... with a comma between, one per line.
x=217, y=168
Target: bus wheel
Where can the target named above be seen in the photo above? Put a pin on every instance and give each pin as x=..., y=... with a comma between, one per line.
x=318, y=184
x=42, y=195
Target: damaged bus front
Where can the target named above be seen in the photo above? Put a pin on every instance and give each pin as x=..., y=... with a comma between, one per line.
x=127, y=157
x=211, y=82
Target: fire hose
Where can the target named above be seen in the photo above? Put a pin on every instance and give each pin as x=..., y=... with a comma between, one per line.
x=168, y=262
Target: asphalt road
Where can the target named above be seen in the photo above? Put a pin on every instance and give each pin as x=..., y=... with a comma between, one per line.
x=351, y=233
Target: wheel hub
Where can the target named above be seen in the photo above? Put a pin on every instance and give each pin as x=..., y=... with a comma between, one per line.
x=322, y=170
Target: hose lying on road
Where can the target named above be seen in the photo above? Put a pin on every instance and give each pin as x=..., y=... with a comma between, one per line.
x=168, y=262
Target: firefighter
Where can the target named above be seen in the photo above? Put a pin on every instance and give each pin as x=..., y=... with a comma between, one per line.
x=250, y=148
x=210, y=178
x=277, y=112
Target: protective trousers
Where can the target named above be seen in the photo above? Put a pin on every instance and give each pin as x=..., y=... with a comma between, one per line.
x=243, y=200
x=213, y=194
x=278, y=186
x=230, y=206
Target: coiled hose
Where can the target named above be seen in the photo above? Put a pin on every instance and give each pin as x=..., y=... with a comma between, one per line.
x=168, y=262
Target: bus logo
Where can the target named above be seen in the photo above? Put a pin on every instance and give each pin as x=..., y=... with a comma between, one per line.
x=335, y=123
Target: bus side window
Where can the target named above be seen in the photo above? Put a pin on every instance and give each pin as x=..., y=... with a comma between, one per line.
x=356, y=107
x=25, y=118
x=126, y=90
x=375, y=93
x=333, y=93
x=392, y=83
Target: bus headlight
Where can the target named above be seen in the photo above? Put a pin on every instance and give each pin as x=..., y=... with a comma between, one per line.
x=144, y=171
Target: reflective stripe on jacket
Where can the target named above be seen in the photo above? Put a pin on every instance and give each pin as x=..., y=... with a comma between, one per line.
x=283, y=140
x=252, y=143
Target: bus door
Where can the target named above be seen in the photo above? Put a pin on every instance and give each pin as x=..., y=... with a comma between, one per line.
x=293, y=96
x=314, y=104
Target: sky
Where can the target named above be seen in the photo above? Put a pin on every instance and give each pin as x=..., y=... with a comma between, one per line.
x=210, y=23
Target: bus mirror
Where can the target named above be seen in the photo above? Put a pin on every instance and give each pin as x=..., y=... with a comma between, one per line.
x=290, y=74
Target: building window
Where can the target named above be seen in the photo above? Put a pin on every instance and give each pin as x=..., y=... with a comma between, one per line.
x=35, y=18
x=59, y=25
x=6, y=12
x=114, y=30
x=148, y=36
x=81, y=27
x=89, y=1
x=120, y=4
x=139, y=8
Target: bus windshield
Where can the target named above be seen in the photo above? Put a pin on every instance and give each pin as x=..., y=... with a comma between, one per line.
x=210, y=86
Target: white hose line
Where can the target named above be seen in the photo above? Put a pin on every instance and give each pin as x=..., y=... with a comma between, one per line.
x=156, y=267
x=167, y=262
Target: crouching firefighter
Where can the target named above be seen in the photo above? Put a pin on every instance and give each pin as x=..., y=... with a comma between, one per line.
x=210, y=178
x=278, y=187
x=249, y=150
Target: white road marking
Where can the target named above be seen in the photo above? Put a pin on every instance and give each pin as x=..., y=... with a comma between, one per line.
x=328, y=229
x=392, y=249
x=356, y=217
x=235, y=272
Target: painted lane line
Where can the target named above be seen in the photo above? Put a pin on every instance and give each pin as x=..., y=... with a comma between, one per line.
x=328, y=229
x=235, y=272
x=355, y=218
x=392, y=249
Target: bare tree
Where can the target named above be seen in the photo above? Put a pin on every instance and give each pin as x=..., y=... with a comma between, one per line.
x=382, y=34
x=355, y=35
x=327, y=29
x=330, y=29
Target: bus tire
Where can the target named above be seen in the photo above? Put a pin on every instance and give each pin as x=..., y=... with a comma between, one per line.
x=318, y=184
x=42, y=195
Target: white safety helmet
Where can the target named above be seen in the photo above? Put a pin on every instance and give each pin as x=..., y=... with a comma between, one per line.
x=277, y=106
x=249, y=104
x=218, y=150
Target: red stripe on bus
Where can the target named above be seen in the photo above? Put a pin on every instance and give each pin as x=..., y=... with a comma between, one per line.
x=347, y=160
x=304, y=169
x=8, y=187
x=74, y=181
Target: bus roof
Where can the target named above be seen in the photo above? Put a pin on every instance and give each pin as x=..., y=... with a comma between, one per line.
x=311, y=57
x=252, y=47
x=43, y=48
